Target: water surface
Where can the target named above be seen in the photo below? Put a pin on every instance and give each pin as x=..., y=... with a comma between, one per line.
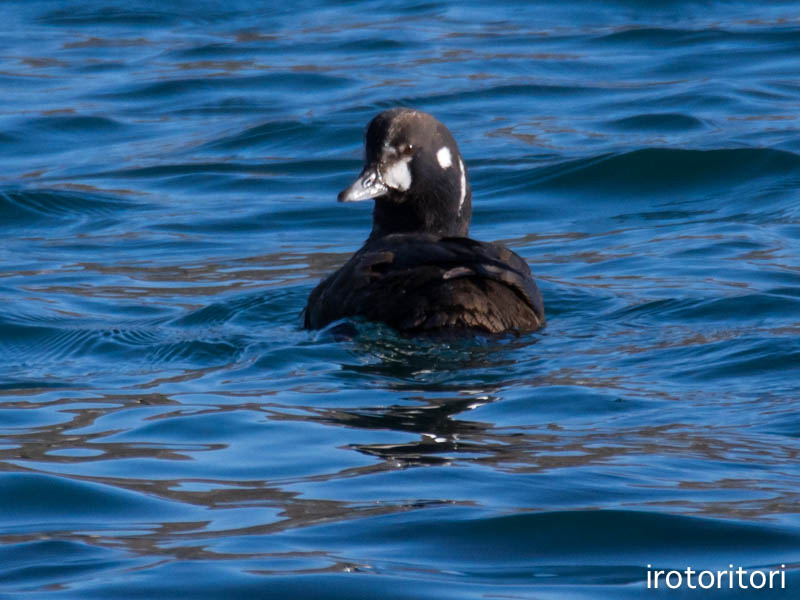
x=167, y=202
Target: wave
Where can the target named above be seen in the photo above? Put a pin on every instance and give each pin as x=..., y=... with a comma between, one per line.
x=318, y=136
x=40, y=338
x=740, y=310
x=299, y=83
x=657, y=122
x=76, y=15
x=136, y=345
x=50, y=208
x=649, y=171
x=215, y=334
x=521, y=542
x=709, y=34
x=60, y=124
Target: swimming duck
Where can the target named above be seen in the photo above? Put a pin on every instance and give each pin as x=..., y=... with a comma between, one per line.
x=418, y=271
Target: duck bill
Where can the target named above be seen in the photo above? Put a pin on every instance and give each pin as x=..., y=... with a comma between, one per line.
x=368, y=185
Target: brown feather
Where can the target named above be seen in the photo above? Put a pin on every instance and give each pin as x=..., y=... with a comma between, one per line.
x=422, y=282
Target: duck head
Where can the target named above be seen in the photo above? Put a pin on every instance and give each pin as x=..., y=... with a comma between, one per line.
x=415, y=173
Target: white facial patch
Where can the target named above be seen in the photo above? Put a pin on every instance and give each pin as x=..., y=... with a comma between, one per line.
x=444, y=157
x=397, y=175
x=463, y=184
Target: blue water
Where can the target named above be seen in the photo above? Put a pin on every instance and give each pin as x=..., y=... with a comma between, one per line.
x=167, y=202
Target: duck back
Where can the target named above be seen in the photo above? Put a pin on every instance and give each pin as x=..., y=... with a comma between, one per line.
x=418, y=282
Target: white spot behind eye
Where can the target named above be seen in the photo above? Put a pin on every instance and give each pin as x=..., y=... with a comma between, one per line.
x=398, y=175
x=463, y=186
x=444, y=157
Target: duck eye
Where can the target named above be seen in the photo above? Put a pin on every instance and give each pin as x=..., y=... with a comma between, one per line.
x=405, y=149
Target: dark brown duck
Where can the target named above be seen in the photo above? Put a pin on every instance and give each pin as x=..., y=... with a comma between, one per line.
x=418, y=271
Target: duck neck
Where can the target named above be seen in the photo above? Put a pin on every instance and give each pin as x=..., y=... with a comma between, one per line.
x=418, y=216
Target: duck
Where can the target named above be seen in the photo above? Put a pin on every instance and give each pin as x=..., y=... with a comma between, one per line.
x=419, y=271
